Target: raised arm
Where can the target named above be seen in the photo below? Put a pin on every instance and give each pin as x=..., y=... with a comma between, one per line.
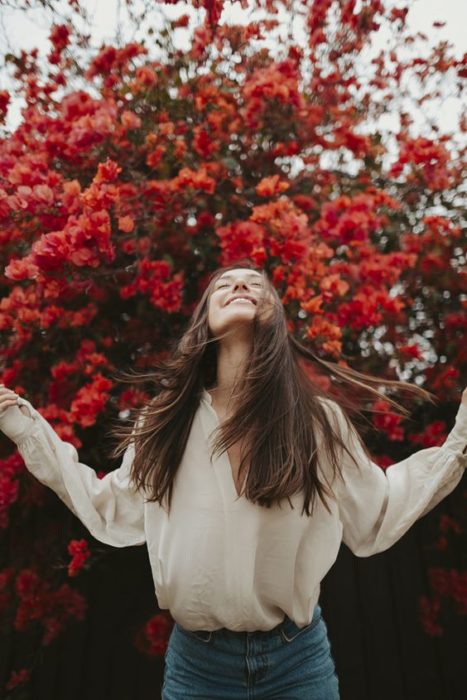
x=110, y=508
x=377, y=507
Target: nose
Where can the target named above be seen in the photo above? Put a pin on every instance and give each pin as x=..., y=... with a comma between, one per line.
x=240, y=282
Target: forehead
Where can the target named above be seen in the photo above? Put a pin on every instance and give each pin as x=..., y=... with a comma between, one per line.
x=239, y=272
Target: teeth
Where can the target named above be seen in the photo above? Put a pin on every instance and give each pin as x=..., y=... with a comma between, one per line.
x=240, y=299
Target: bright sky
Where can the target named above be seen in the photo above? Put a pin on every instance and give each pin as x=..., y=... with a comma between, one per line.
x=28, y=30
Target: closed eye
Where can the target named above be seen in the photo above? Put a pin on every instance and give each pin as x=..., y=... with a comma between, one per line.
x=253, y=284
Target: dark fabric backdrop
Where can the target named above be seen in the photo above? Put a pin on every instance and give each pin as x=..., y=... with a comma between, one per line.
x=369, y=605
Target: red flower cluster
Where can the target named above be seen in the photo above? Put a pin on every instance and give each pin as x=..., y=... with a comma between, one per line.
x=6, y=585
x=213, y=9
x=429, y=613
x=10, y=469
x=110, y=63
x=4, y=102
x=155, y=278
x=389, y=422
x=423, y=159
x=79, y=551
x=60, y=39
x=39, y=604
x=118, y=199
x=435, y=433
x=447, y=525
x=17, y=678
x=153, y=638
x=450, y=584
x=90, y=400
x=352, y=220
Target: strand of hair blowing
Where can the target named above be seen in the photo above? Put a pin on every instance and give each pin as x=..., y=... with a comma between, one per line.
x=278, y=416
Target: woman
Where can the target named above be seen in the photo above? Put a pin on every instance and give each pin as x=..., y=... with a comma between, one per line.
x=242, y=478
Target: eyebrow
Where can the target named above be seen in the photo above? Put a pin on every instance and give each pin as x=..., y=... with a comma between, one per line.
x=224, y=277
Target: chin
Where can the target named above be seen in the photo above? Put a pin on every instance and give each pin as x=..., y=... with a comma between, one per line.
x=237, y=323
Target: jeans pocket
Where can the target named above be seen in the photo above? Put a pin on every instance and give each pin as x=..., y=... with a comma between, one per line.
x=202, y=635
x=288, y=637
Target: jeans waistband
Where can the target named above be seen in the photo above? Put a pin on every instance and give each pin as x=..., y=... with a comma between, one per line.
x=287, y=625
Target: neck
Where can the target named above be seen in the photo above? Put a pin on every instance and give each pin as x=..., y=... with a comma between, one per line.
x=231, y=361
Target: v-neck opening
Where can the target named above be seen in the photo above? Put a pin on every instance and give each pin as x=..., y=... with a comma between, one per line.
x=225, y=455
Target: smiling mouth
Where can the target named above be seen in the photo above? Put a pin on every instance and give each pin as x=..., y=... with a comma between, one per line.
x=241, y=299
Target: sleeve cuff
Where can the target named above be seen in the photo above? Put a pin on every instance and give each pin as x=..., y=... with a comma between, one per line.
x=457, y=438
x=15, y=424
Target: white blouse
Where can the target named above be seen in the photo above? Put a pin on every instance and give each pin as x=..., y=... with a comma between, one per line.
x=219, y=560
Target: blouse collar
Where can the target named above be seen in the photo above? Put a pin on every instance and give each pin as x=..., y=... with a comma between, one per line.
x=206, y=396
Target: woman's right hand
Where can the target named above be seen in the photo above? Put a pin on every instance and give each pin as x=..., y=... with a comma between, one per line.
x=7, y=398
x=13, y=420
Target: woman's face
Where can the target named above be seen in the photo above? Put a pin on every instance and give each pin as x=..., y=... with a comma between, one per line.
x=234, y=298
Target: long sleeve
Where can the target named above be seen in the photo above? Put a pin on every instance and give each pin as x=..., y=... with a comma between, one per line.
x=377, y=507
x=110, y=508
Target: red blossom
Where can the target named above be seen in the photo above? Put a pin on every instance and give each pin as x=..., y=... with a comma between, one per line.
x=111, y=59
x=429, y=611
x=423, y=158
x=155, y=278
x=214, y=10
x=4, y=102
x=383, y=461
x=387, y=421
x=448, y=523
x=79, y=551
x=410, y=351
x=60, y=36
x=39, y=603
x=434, y=433
x=155, y=157
x=91, y=400
x=153, y=638
x=242, y=240
x=194, y=179
x=182, y=21
x=8, y=495
x=270, y=186
x=17, y=678
x=107, y=172
x=145, y=76
x=203, y=143
x=450, y=583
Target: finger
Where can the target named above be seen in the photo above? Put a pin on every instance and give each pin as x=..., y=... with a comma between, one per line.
x=5, y=406
x=15, y=397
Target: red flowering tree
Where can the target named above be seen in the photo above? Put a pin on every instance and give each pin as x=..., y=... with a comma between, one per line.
x=131, y=177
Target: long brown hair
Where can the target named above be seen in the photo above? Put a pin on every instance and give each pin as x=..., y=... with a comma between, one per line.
x=277, y=405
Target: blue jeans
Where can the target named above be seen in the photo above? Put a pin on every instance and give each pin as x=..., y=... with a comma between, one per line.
x=285, y=663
